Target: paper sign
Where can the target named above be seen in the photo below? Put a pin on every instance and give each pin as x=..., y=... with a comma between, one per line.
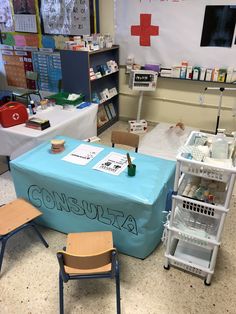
x=20, y=40
x=6, y=20
x=114, y=163
x=83, y=154
x=66, y=17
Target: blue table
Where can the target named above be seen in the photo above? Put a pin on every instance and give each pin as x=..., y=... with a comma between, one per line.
x=76, y=198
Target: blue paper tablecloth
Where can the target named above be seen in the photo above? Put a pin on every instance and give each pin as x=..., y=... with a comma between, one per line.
x=76, y=198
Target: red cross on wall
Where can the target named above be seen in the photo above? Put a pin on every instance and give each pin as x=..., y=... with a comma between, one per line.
x=145, y=30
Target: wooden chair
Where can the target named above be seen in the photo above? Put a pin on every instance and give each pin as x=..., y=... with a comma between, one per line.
x=14, y=217
x=88, y=255
x=26, y=92
x=125, y=138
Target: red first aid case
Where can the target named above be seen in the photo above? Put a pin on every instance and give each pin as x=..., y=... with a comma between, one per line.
x=13, y=113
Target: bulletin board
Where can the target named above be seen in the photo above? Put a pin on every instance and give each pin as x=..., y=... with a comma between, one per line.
x=170, y=31
x=66, y=17
x=26, y=23
x=29, y=25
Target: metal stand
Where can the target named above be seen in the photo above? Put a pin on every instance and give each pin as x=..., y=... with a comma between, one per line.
x=221, y=89
x=140, y=102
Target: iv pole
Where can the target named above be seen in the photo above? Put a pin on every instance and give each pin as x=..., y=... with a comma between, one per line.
x=140, y=102
x=221, y=89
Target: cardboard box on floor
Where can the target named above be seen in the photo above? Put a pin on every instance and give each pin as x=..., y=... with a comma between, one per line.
x=137, y=126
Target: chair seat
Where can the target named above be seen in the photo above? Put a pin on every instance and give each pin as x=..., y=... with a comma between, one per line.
x=86, y=244
x=16, y=214
x=23, y=91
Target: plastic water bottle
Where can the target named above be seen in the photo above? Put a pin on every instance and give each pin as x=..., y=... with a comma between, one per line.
x=220, y=145
x=33, y=107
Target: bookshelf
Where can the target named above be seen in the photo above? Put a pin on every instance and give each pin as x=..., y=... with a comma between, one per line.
x=79, y=69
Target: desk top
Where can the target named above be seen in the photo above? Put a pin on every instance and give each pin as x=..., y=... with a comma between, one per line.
x=152, y=174
x=56, y=115
x=78, y=123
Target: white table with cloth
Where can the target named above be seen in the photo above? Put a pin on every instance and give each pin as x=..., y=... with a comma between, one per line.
x=76, y=123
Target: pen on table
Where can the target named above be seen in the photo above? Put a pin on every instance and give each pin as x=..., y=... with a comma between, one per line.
x=129, y=160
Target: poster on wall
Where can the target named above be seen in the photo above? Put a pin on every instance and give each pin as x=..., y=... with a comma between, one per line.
x=168, y=32
x=219, y=25
x=25, y=16
x=6, y=20
x=66, y=17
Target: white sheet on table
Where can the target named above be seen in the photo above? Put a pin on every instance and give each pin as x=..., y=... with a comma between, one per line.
x=164, y=141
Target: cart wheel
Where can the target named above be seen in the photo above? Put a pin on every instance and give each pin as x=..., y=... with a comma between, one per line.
x=206, y=283
x=166, y=268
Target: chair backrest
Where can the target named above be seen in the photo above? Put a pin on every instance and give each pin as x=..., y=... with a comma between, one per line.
x=87, y=262
x=125, y=138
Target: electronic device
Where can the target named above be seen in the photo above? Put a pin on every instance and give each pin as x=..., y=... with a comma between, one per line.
x=143, y=80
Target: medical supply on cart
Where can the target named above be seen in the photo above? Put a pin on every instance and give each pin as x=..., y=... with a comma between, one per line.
x=220, y=145
x=200, y=201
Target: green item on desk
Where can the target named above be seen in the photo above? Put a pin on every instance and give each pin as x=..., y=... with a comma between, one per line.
x=131, y=170
x=62, y=99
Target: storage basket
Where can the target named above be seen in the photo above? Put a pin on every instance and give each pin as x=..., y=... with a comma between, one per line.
x=196, y=260
x=196, y=219
x=61, y=99
x=219, y=192
x=203, y=169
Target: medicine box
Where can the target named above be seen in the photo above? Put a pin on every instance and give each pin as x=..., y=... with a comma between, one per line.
x=202, y=74
x=229, y=74
x=233, y=78
x=215, y=74
x=196, y=73
x=189, y=72
x=176, y=71
x=222, y=75
x=208, y=75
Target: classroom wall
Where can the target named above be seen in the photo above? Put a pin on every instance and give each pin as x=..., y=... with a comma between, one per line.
x=173, y=100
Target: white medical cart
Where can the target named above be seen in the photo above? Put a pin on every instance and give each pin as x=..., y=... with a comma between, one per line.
x=194, y=227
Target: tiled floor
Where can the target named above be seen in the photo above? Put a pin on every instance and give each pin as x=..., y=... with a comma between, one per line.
x=29, y=279
x=3, y=164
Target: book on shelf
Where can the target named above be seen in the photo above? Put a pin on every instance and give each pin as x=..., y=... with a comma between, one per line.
x=112, y=109
x=37, y=123
x=108, y=112
x=102, y=117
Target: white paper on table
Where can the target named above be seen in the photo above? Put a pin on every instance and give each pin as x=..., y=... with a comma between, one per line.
x=113, y=163
x=83, y=154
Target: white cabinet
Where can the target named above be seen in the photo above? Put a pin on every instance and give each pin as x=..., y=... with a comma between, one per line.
x=200, y=202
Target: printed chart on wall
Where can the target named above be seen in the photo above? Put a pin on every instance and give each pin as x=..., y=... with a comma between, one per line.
x=25, y=16
x=169, y=31
x=6, y=19
x=66, y=17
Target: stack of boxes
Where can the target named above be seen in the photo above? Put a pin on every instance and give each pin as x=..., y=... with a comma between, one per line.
x=186, y=71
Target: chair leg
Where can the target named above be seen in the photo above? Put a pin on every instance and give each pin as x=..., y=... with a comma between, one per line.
x=3, y=243
x=61, y=296
x=39, y=235
x=117, y=275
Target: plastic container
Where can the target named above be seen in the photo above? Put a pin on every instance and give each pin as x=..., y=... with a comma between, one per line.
x=62, y=99
x=220, y=145
x=32, y=107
